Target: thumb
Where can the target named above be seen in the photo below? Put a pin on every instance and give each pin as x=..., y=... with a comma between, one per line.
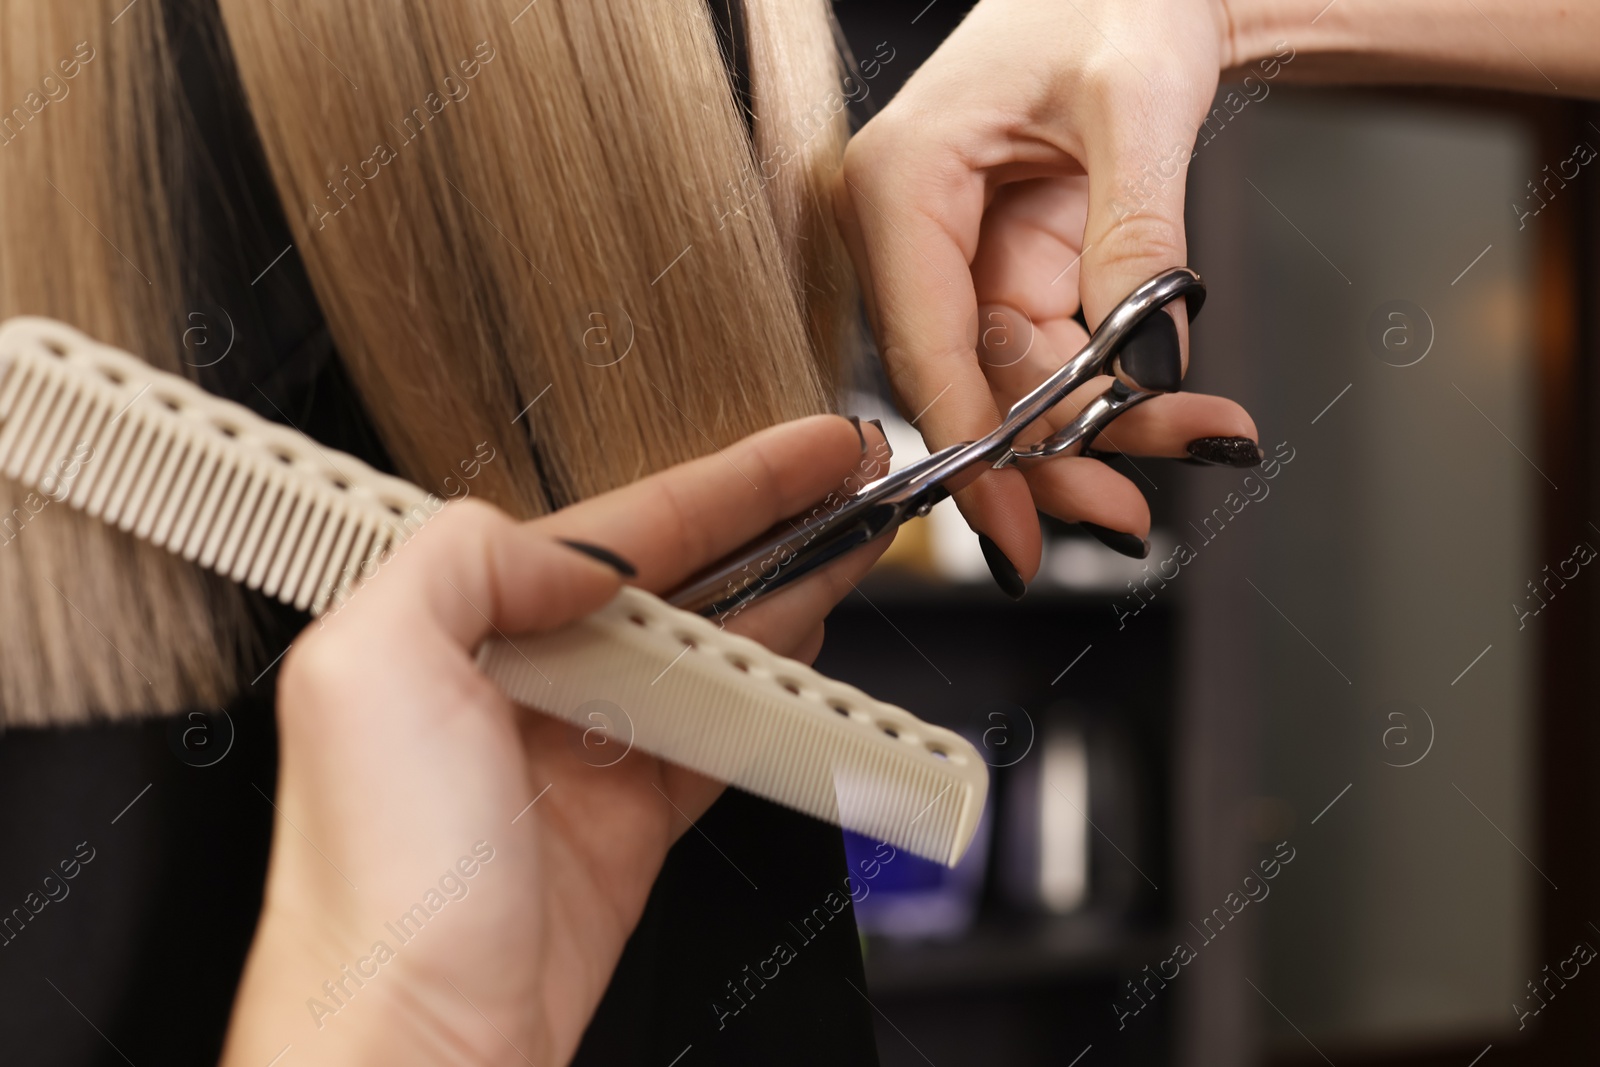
x=1135, y=221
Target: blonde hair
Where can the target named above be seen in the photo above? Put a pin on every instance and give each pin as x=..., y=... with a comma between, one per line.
x=517, y=224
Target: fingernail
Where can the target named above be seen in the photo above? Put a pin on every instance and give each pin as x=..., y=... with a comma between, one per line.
x=1151, y=356
x=855, y=420
x=1227, y=451
x=604, y=555
x=1005, y=574
x=1118, y=541
x=887, y=447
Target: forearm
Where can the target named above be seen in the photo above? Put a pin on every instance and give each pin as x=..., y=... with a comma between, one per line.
x=1540, y=46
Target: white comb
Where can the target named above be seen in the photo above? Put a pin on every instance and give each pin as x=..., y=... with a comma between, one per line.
x=211, y=481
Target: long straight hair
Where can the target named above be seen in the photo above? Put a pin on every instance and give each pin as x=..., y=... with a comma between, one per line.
x=544, y=230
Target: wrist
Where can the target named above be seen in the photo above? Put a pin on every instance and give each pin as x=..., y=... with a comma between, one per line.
x=1539, y=46
x=342, y=1007
x=1258, y=30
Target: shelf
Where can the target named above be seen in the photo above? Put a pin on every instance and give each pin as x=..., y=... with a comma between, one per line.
x=996, y=953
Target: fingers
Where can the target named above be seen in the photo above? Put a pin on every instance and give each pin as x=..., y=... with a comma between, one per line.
x=801, y=463
x=676, y=522
x=475, y=571
x=1075, y=489
x=1166, y=425
x=1019, y=354
x=1031, y=250
x=910, y=215
x=1000, y=507
x=471, y=571
x=910, y=209
x=1134, y=229
x=808, y=649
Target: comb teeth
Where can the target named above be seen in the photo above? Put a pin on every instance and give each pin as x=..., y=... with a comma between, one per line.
x=155, y=455
x=727, y=707
x=213, y=482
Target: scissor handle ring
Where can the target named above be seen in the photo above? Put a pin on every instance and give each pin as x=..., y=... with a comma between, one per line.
x=1138, y=305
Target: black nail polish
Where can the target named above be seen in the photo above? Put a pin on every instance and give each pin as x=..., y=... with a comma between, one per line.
x=1005, y=574
x=886, y=445
x=1227, y=451
x=1151, y=356
x=604, y=555
x=1118, y=541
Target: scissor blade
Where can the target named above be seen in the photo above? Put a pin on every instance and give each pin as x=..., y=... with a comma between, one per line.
x=783, y=557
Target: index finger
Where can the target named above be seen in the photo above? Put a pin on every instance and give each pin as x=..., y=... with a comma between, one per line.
x=911, y=216
x=672, y=524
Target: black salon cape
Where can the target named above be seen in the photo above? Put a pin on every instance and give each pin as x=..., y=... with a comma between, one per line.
x=136, y=957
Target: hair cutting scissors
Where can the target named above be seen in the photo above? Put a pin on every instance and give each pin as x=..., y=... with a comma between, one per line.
x=1125, y=343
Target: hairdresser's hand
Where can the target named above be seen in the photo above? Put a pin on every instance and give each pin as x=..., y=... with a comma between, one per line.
x=1033, y=165
x=406, y=778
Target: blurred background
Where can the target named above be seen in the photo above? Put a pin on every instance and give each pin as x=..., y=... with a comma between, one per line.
x=1314, y=782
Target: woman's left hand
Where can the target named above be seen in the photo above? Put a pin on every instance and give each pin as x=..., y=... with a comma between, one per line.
x=410, y=788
